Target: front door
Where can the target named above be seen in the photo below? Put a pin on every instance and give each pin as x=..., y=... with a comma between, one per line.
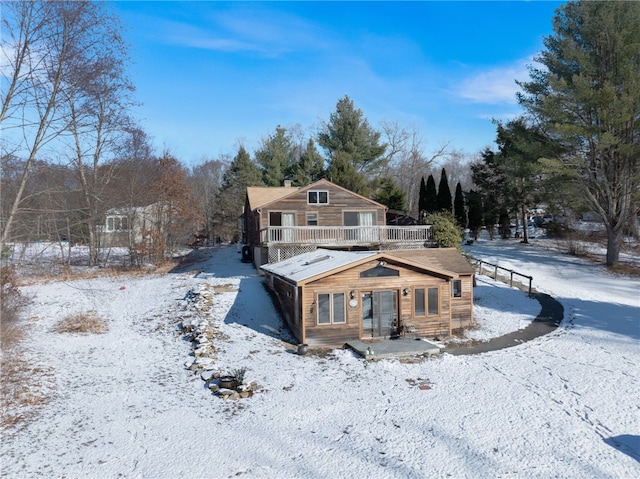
x=379, y=314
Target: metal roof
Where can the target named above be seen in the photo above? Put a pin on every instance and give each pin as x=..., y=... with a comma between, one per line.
x=445, y=261
x=320, y=261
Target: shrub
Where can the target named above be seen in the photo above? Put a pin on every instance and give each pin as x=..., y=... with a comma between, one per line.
x=11, y=303
x=88, y=322
x=446, y=232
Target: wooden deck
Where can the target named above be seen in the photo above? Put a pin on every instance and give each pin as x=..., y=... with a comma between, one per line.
x=347, y=235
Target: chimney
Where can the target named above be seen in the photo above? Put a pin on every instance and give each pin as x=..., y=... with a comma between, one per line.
x=287, y=183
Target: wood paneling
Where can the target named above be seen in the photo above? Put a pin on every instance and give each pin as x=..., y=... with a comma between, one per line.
x=456, y=310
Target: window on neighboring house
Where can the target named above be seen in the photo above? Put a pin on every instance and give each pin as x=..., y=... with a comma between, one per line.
x=317, y=197
x=331, y=308
x=426, y=303
x=456, y=288
x=312, y=219
x=117, y=223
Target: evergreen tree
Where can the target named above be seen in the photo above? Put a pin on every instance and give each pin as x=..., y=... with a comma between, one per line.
x=475, y=213
x=276, y=157
x=242, y=172
x=520, y=147
x=443, y=198
x=353, y=148
x=390, y=194
x=310, y=167
x=490, y=178
x=343, y=172
x=422, y=199
x=587, y=95
x=430, y=197
x=504, y=224
x=458, y=207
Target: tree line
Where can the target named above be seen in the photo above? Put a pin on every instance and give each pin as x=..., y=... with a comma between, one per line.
x=71, y=151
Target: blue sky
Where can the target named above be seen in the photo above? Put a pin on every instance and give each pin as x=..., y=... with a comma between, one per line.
x=212, y=75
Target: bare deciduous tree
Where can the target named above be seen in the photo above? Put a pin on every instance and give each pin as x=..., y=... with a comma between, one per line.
x=66, y=92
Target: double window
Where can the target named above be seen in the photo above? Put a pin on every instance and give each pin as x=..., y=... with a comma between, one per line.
x=331, y=308
x=117, y=223
x=317, y=197
x=426, y=302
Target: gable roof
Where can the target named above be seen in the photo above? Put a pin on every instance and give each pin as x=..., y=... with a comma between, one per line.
x=306, y=267
x=448, y=259
x=260, y=196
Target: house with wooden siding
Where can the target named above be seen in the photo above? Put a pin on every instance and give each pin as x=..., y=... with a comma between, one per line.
x=329, y=297
x=282, y=222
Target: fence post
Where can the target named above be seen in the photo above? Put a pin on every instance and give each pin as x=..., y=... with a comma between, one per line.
x=511, y=280
x=495, y=274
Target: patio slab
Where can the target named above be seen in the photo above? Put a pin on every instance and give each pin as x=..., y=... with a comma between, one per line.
x=394, y=348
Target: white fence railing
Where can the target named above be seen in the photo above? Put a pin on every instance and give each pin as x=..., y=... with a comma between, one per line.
x=348, y=235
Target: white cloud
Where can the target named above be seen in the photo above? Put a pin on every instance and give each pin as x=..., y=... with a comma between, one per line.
x=494, y=86
x=263, y=31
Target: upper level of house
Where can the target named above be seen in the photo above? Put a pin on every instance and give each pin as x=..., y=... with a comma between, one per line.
x=321, y=214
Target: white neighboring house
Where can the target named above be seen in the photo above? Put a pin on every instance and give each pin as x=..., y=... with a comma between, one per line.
x=125, y=227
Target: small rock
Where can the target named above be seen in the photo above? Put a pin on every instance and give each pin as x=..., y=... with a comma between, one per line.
x=208, y=375
x=225, y=392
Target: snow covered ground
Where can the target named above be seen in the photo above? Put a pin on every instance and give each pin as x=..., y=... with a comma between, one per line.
x=122, y=404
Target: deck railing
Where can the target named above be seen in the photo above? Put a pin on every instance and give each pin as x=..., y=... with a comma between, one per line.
x=346, y=235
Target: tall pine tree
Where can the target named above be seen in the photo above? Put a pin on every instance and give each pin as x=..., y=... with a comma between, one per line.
x=242, y=172
x=458, y=207
x=587, y=95
x=422, y=199
x=353, y=148
x=443, y=198
x=430, y=197
x=310, y=166
x=276, y=157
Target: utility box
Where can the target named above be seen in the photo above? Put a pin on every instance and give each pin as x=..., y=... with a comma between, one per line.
x=246, y=254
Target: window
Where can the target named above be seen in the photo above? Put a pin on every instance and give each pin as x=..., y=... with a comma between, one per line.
x=434, y=307
x=331, y=308
x=317, y=197
x=365, y=220
x=456, y=288
x=282, y=226
x=418, y=300
x=117, y=223
x=312, y=219
x=428, y=303
x=379, y=272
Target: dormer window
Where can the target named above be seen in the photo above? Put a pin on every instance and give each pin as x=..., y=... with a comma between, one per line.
x=316, y=197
